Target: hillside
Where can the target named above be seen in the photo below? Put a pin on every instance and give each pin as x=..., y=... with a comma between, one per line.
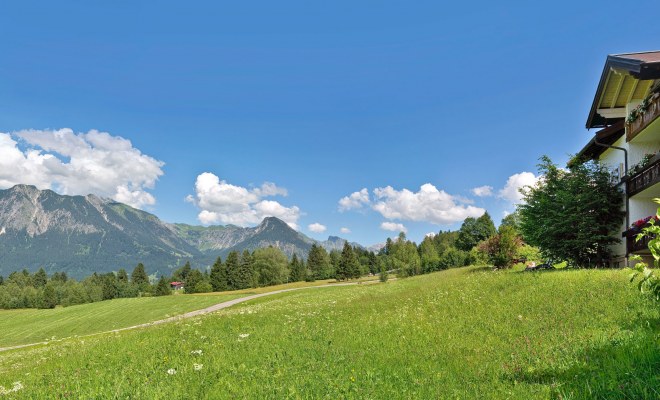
x=461, y=333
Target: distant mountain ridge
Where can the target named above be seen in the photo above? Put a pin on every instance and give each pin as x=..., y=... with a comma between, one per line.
x=85, y=234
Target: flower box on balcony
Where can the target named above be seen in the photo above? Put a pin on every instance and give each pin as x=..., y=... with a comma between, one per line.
x=642, y=116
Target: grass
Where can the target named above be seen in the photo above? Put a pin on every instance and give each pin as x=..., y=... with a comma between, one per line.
x=31, y=325
x=464, y=333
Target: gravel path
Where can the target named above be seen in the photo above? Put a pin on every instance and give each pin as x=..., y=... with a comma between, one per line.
x=213, y=308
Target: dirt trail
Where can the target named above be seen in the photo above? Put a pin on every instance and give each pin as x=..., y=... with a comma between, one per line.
x=213, y=308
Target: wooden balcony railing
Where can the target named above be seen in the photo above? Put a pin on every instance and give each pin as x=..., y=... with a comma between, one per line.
x=647, y=177
x=652, y=112
x=633, y=245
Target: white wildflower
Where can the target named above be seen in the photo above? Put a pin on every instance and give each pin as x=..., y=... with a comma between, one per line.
x=171, y=371
x=196, y=352
x=198, y=367
x=16, y=387
x=243, y=336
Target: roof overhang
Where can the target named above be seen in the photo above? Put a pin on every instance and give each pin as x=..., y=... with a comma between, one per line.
x=625, y=77
x=607, y=136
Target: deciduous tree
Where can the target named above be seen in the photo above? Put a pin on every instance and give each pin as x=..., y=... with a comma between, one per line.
x=573, y=214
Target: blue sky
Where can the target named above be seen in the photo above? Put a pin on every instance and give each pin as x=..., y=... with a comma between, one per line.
x=321, y=100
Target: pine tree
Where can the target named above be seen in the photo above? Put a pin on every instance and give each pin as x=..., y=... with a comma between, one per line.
x=49, y=297
x=139, y=277
x=122, y=276
x=194, y=278
x=40, y=278
x=181, y=274
x=349, y=266
x=218, y=276
x=297, y=268
x=163, y=287
x=232, y=265
x=244, y=276
x=318, y=262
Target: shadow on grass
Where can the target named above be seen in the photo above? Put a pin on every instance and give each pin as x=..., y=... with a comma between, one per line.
x=626, y=367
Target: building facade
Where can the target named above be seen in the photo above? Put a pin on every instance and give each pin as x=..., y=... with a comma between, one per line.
x=625, y=109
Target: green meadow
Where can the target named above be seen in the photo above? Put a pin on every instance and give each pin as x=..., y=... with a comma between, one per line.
x=33, y=325
x=459, y=334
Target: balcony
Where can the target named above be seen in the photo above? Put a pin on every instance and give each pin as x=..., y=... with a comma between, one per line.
x=643, y=119
x=634, y=246
x=647, y=176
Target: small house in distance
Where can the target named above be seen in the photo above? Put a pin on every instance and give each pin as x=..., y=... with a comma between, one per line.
x=176, y=285
x=625, y=109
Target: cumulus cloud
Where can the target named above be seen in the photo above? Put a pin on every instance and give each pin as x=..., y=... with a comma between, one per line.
x=483, y=191
x=222, y=202
x=79, y=164
x=345, y=230
x=354, y=200
x=393, y=226
x=511, y=190
x=316, y=227
x=428, y=204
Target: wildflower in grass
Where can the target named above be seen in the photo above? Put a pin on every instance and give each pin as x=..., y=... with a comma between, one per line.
x=196, y=352
x=16, y=387
x=171, y=371
x=243, y=336
x=520, y=317
x=198, y=367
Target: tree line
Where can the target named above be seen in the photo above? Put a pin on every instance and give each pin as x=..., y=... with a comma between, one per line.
x=476, y=242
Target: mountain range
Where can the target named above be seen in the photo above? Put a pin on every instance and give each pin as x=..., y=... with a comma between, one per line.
x=80, y=235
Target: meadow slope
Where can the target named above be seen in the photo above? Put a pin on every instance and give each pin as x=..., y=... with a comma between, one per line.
x=31, y=325
x=463, y=333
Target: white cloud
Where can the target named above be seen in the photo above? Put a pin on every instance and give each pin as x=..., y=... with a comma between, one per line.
x=394, y=227
x=345, y=230
x=428, y=204
x=317, y=228
x=222, y=202
x=514, y=184
x=354, y=200
x=79, y=164
x=483, y=191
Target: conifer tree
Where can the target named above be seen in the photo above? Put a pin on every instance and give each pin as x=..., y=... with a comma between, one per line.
x=318, y=262
x=49, y=297
x=163, y=287
x=297, y=268
x=122, y=276
x=194, y=278
x=139, y=277
x=181, y=274
x=218, y=276
x=232, y=265
x=349, y=266
x=40, y=278
x=244, y=277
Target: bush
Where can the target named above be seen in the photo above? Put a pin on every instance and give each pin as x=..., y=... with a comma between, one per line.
x=203, y=287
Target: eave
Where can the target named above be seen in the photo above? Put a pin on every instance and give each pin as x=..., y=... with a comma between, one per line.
x=608, y=136
x=625, y=77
